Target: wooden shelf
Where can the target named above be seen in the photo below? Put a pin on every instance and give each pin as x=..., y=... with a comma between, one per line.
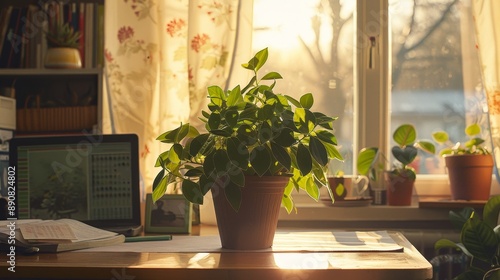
x=450, y=203
x=45, y=71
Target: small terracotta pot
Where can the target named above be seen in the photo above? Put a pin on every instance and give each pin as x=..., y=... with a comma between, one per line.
x=399, y=189
x=254, y=225
x=470, y=176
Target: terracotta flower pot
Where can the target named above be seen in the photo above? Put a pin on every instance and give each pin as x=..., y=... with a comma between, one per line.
x=254, y=225
x=399, y=190
x=470, y=176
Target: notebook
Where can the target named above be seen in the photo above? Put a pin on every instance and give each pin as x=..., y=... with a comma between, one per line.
x=90, y=178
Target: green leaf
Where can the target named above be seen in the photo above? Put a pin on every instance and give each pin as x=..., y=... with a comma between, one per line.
x=260, y=158
x=250, y=83
x=192, y=191
x=194, y=172
x=231, y=117
x=161, y=160
x=235, y=97
x=197, y=144
x=285, y=138
x=458, y=219
x=175, y=153
x=265, y=132
x=332, y=151
x=238, y=153
x=304, y=120
x=405, y=155
x=304, y=159
x=287, y=203
x=175, y=135
x=294, y=101
x=445, y=243
x=440, y=137
x=474, y=142
x=266, y=112
x=222, y=162
x=222, y=132
x=479, y=238
x=272, y=76
x=208, y=165
x=281, y=155
x=216, y=95
x=247, y=135
x=237, y=177
x=326, y=136
x=160, y=189
x=214, y=121
x=261, y=58
x=324, y=121
x=257, y=61
x=318, y=151
x=205, y=184
x=426, y=146
x=158, y=178
x=311, y=188
x=249, y=113
x=491, y=211
x=307, y=100
x=233, y=196
x=473, y=129
x=405, y=135
x=366, y=158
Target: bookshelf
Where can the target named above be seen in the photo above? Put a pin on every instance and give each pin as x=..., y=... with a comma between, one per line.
x=48, y=100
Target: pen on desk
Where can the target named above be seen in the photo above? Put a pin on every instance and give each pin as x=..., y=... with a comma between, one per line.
x=148, y=238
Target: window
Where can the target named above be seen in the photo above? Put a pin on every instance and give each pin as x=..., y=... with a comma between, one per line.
x=311, y=45
x=424, y=70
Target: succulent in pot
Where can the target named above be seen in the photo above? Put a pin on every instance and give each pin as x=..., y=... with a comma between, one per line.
x=62, y=52
x=250, y=131
x=62, y=36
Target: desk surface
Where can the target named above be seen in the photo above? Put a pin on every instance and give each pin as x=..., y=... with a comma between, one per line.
x=409, y=264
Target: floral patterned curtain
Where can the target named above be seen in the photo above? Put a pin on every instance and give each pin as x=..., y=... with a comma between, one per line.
x=160, y=57
x=487, y=23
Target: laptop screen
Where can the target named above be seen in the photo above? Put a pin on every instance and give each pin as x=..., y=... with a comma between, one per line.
x=91, y=178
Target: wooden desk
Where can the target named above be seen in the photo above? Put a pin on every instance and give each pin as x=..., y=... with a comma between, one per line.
x=409, y=264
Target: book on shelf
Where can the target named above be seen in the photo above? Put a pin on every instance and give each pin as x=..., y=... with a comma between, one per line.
x=23, y=27
x=52, y=236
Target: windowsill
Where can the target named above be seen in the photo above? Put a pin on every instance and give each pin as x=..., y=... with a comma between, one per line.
x=317, y=215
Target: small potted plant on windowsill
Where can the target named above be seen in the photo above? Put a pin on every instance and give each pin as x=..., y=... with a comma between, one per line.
x=469, y=164
x=62, y=43
x=259, y=146
x=400, y=179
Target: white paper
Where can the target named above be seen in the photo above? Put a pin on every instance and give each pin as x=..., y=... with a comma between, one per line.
x=325, y=241
x=59, y=230
x=47, y=231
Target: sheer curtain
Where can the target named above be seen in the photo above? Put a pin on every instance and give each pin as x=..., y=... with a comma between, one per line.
x=487, y=23
x=160, y=57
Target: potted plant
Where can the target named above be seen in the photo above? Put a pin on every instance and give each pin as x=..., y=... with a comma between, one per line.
x=479, y=240
x=258, y=147
x=400, y=179
x=62, y=43
x=469, y=165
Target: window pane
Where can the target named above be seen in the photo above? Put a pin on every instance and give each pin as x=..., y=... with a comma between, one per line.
x=436, y=83
x=311, y=45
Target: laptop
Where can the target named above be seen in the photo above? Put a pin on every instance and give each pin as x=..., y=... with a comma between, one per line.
x=90, y=178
